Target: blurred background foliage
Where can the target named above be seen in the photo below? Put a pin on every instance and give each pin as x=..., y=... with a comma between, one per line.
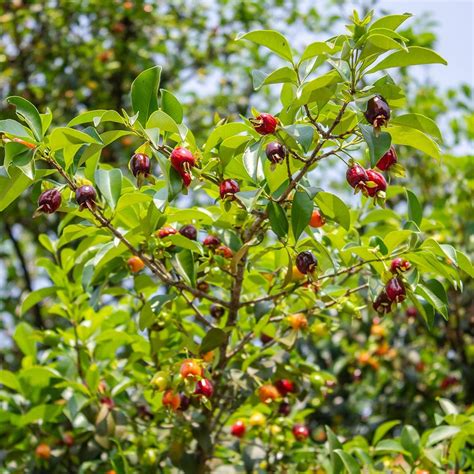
x=83, y=54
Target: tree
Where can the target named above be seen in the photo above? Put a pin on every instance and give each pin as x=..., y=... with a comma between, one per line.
x=178, y=327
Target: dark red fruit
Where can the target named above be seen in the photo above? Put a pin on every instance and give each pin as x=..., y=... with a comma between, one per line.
x=203, y=286
x=412, y=312
x=395, y=290
x=165, y=231
x=378, y=111
x=265, y=338
x=211, y=241
x=189, y=231
x=382, y=303
x=284, y=409
x=387, y=160
x=285, y=387
x=108, y=402
x=379, y=181
x=49, y=201
x=184, y=402
x=276, y=152
x=217, y=311
x=205, y=388
x=306, y=262
x=356, y=176
x=399, y=265
x=140, y=164
x=68, y=439
x=182, y=159
x=186, y=177
x=224, y=251
x=228, y=188
x=300, y=432
x=238, y=429
x=264, y=123
x=448, y=381
x=85, y=195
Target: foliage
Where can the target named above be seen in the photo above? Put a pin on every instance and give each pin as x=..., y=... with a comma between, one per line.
x=115, y=339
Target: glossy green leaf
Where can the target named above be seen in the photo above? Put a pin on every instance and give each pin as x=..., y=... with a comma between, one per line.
x=351, y=465
x=12, y=127
x=301, y=211
x=278, y=219
x=403, y=135
x=171, y=105
x=270, y=39
x=109, y=183
x=213, y=339
x=378, y=144
x=144, y=93
x=185, y=266
x=334, y=208
x=442, y=433
x=418, y=121
x=383, y=429
x=279, y=76
x=315, y=49
x=415, y=211
x=23, y=337
x=36, y=297
x=410, y=440
x=392, y=22
x=29, y=113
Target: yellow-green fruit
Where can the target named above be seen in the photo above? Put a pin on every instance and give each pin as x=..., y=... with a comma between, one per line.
x=160, y=381
x=257, y=419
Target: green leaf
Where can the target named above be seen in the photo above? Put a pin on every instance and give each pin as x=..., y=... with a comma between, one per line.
x=448, y=406
x=97, y=117
x=29, y=113
x=278, y=219
x=316, y=49
x=391, y=22
x=334, y=444
x=23, y=337
x=412, y=56
x=144, y=93
x=310, y=91
x=270, y=39
x=378, y=145
x=12, y=127
x=334, y=208
x=227, y=130
x=402, y=135
x=147, y=317
x=252, y=162
x=303, y=134
x=163, y=121
x=351, y=465
x=279, y=76
x=185, y=266
x=214, y=338
x=415, y=211
x=420, y=122
x=432, y=299
x=383, y=429
x=36, y=296
x=441, y=433
x=171, y=105
x=109, y=183
x=410, y=440
x=390, y=445
x=185, y=243
x=301, y=211
x=9, y=379
x=41, y=414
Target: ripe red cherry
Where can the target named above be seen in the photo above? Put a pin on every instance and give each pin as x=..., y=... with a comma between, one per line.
x=284, y=409
x=205, y=388
x=228, y=188
x=186, y=177
x=238, y=429
x=140, y=164
x=356, y=176
x=387, y=160
x=382, y=303
x=448, y=381
x=49, y=201
x=378, y=111
x=85, y=195
x=224, y=251
x=380, y=183
x=306, y=262
x=264, y=123
x=217, y=311
x=165, y=231
x=189, y=231
x=285, y=387
x=399, y=265
x=276, y=152
x=182, y=159
x=211, y=241
x=300, y=432
x=395, y=290
x=190, y=368
x=184, y=402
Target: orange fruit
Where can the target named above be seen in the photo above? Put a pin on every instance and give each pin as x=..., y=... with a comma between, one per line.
x=317, y=219
x=135, y=264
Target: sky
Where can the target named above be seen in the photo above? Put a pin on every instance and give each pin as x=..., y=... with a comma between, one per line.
x=455, y=22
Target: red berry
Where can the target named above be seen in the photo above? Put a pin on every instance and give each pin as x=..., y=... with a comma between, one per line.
x=217, y=311
x=412, y=312
x=107, y=401
x=387, y=160
x=265, y=338
x=140, y=164
x=205, y=388
x=356, y=176
x=85, y=195
x=276, y=152
x=186, y=177
x=171, y=399
x=264, y=123
x=284, y=409
x=300, y=432
x=211, y=241
x=182, y=159
x=224, y=251
x=68, y=439
x=268, y=393
x=306, y=262
x=379, y=181
x=395, y=290
x=43, y=451
x=189, y=231
x=382, y=304
x=317, y=219
x=285, y=387
x=238, y=429
x=448, y=381
x=49, y=201
x=378, y=111
x=399, y=265
x=228, y=188
x=165, y=231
